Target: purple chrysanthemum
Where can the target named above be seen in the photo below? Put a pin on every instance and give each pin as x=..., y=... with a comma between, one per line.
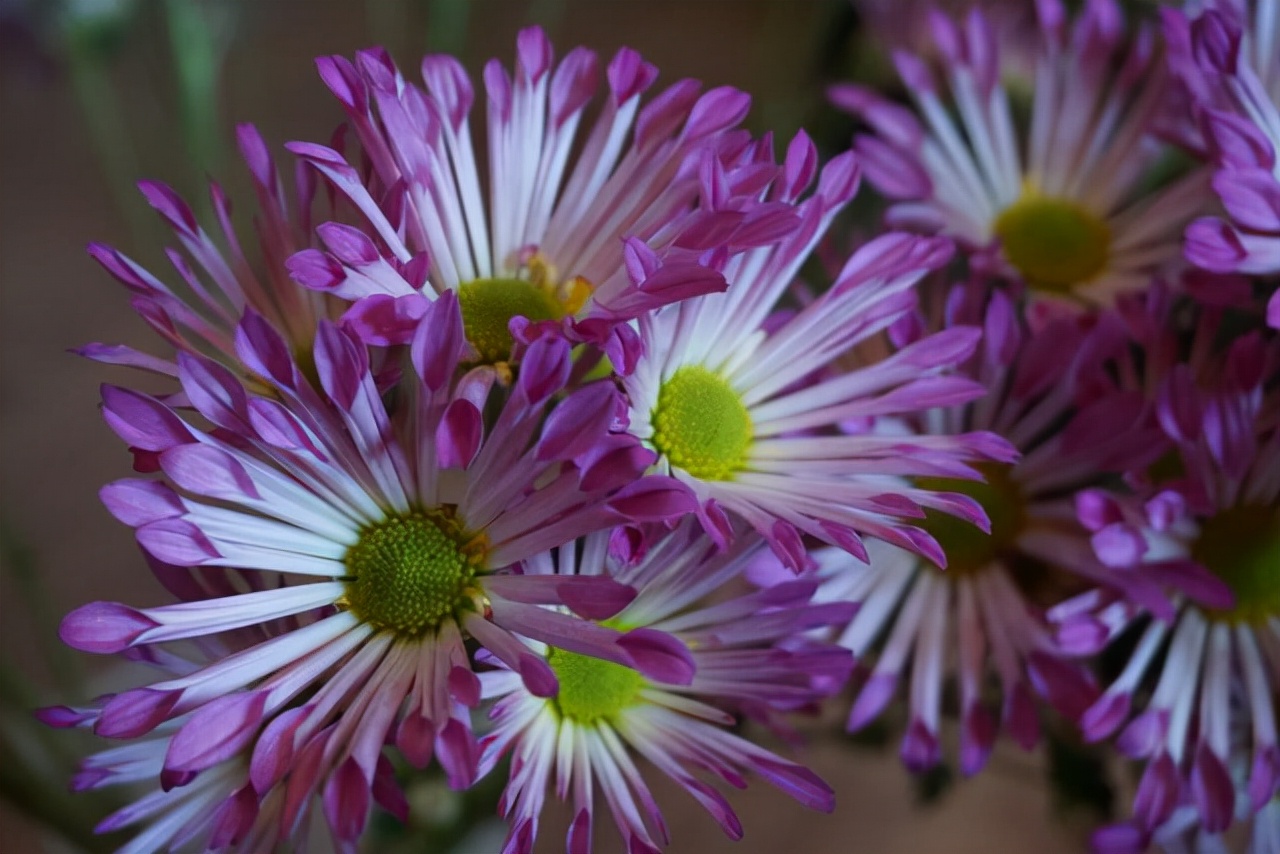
x=401, y=523
x=1239, y=91
x=1047, y=395
x=746, y=652
x=1184, y=832
x=568, y=236
x=218, y=285
x=226, y=805
x=1206, y=530
x=1061, y=203
x=743, y=406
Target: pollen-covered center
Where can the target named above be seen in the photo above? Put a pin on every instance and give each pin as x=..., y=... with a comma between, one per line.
x=1242, y=547
x=701, y=424
x=967, y=548
x=592, y=689
x=407, y=574
x=1054, y=243
x=488, y=306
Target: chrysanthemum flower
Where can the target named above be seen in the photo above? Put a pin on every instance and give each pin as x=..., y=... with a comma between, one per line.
x=1207, y=531
x=1061, y=203
x=1047, y=396
x=566, y=236
x=218, y=808
x=746, y=651
x=742, y=412
x=200, y=314
x=400, y=524
x=1184, y=831
x=1240, y=112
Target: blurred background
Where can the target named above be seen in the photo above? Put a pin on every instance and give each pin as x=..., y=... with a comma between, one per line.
x=95, y=94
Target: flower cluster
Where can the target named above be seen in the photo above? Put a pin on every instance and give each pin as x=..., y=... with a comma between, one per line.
x=533, y=452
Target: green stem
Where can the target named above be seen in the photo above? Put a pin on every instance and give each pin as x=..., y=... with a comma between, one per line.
x=197, y=58
x=104, y=119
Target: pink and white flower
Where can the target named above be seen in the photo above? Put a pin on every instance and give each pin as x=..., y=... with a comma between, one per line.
x=747, y=652
x=391, y=532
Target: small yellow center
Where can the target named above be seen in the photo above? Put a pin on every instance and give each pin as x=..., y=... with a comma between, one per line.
x=409, y=573
x=1055, y=243
x=1242, y=547
x=592, y=689
x=967, y=548
x=701, y=424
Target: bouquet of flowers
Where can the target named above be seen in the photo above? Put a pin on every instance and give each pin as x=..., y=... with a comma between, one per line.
x=549, y=427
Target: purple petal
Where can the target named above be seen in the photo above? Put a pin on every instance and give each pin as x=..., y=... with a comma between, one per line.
x=216, y=732
x=346, y=800
x=872, y=699
x=104, y=627
x=135, y=713
x=659, y=656
x=142, y=421
x=137, y=502
x=1212, y=789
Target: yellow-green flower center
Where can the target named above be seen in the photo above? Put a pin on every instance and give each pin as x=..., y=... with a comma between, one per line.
x=1055, y=243
x=407, y=574
x=488, y=306
x=1242, y=547
x=701, y=424
x=967, y=548
x=592, y=689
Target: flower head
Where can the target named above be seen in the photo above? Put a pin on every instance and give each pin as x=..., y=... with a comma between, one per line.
x=384, y=533
x=1071, y=427
x=1059, y=203
x=745, y=407
x=567, y=236
x=200, y=314
x=1233, y=63
x=1203, y=675
x=746, y=652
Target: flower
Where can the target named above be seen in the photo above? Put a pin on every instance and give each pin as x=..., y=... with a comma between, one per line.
x=1203, y=674
x=1238, y=92
x=1184, y=832
x=1060, y=204
x=1049, y=396
x=567, y=236
x=744, y=409
x=385, y=536
x=217, y=808
x=746, y=651
x=201, y=314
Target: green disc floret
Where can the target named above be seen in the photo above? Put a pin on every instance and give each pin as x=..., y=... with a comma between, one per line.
x=1242, y=547
x=1055, y=243
x=592, y=689
x=409, y=573
x=701, y=424
x=967, y=548
x=488, y=306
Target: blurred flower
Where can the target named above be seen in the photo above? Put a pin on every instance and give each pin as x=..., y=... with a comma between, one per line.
x=405, y=522
x=1049, y=395
x=1061, y=203
x=1234, y=53
x=1203, y=525
x=567, y=220
x=746, y=651
x=200, y=315
x=737, y=406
